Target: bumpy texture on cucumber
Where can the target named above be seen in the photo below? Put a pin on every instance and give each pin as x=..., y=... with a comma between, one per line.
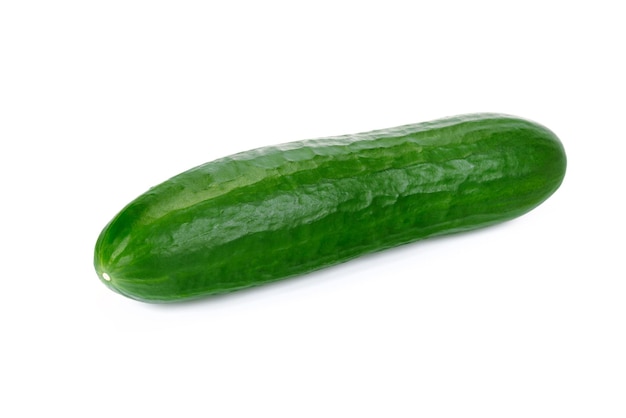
x=280, y=211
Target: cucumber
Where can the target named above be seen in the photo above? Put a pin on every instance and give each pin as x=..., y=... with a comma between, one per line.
x=281, y=211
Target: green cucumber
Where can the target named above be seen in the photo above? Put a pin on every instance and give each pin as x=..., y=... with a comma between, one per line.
x=281, y=211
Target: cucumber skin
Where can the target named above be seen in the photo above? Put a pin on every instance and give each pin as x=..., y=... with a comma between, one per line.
x=280, y=211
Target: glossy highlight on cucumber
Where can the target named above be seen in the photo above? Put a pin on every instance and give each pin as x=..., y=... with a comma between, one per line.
x=280, y=211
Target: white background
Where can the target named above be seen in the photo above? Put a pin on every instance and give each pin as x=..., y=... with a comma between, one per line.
x=101, y=100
